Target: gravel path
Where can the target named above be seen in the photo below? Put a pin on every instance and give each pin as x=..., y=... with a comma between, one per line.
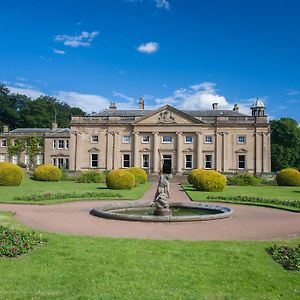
x=247, y=222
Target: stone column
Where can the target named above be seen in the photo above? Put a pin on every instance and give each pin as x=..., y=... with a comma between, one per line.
x=179, y=152
x=136, y=158
x=116, y=151
x=198, y=151
x=155, y=152
x=216, y=165
x=262, y=153
x=109, y=152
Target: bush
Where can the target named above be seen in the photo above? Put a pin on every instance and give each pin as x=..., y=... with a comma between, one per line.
x=244, y=180
x=209, y=181
x=139, y=174
x=287, y=256
x=10, y=174
x=15, y=242
x=288, y=177
x=192, y=175
x=91, y=177
x=120, y=180
x=47, y=172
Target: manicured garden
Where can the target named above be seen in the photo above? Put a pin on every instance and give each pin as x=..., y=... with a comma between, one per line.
x=32, y=188
x=70, y=267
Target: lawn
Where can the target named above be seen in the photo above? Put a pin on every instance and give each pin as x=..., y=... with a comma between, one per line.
x=30, y=187
x=70, y=267
x=263, y=191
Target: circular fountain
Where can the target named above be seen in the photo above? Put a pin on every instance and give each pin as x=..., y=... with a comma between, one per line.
x=162, y=211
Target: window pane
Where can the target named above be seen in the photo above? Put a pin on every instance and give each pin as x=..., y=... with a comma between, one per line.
x=146, y=139
x=95, y=139
x=208, y=161
x=188, y=139
x=241, y=139
x=146, y=161
x=208, y=139
x=242, y=161
x=126, y=139
x=61, y=144
x=188, y=161
x=167, y=139
x=126, y=160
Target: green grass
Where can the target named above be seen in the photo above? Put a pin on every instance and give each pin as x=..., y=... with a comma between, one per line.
x=30, y=187
x=263, y=191
x=70, y=267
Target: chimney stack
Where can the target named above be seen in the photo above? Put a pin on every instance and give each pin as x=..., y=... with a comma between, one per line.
x=5, y=129
x=112, y=106
x=215, y=106
x=141, y=103
x=236, y=108
x=54, y=126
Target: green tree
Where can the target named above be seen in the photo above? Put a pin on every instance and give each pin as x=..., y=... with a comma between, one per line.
x=285, y=144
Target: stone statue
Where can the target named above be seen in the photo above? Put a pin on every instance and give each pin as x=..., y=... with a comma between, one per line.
x=162, y=192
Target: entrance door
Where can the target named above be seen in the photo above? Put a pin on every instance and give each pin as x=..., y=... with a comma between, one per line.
x=167, y=164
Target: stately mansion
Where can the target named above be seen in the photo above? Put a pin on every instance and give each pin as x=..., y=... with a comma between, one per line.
x=165, y=140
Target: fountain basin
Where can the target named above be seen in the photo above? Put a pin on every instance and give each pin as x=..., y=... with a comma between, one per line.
x=181, y=212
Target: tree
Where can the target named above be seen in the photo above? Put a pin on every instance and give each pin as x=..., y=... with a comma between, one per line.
x=285, y=144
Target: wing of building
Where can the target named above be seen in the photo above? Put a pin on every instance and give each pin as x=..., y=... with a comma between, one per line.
x=164, y=140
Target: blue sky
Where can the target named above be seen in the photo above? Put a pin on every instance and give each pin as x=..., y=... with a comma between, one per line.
x=184, y=53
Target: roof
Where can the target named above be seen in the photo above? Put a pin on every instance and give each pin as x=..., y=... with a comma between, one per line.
x=142, y=113
x=39, y=131
x=258, y=103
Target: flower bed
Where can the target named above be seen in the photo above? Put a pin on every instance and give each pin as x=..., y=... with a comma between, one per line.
x=72, y=195
x=287, y=256
x=239, y=199
x=15, y=242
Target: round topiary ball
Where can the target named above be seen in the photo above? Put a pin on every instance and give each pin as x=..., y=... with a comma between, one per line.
x=210, y=181
x=47, y=172
x=139, y=174
x=120, y=180
x=192, y=175
x=288, y=177
x=10, y=174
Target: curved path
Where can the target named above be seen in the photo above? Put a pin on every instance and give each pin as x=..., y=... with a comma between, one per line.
x=247, y=222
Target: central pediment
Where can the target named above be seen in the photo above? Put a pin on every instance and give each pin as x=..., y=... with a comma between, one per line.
x=167, y=115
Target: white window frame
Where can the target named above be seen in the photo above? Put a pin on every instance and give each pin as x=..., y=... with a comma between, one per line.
x=54, y=161
x=241, y=137
x=186, y=139
x=91, y=160
x=205, y=161
x=3, y=143
x=39, y=159
x=2, y=157
x=191, y=161
x=238, y=161
x=54, y=144
x=208, y=141
x=164, y=139
x=26, y=159
x=142, y=160
x=126, y=160
x=126, y=139
x=63, y=144
x=147, y=141
x=15, y=159
x=66, y=144
x=93, y=140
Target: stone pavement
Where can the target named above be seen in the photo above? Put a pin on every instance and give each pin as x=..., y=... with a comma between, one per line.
x=247, y=222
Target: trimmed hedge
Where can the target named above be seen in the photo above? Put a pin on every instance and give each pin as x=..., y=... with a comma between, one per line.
x=209, y=181
x=120, y=180
x=192, y=175
x=47, y=172
x=91, y=177
x=244, y=180
x=10, y=174
x=288, y=177
x=139, y=174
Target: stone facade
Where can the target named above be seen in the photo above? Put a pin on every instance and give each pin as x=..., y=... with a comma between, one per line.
x=163, y=140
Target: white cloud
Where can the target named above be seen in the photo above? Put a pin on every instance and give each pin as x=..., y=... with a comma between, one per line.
x=292, y=92
x=200, y=97
x=84, y=39
x=88, y=102
x=29, y=92
x=122, y=96
x=149, y=48
x=57, y=51
x=162, y=4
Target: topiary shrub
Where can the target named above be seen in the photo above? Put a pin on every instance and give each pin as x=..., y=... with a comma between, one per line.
x=10, y=174
x=47, y=172
x=139, y=174
x=210, y=181
x=120, y=180
x=288, y=177
x=192, y=175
